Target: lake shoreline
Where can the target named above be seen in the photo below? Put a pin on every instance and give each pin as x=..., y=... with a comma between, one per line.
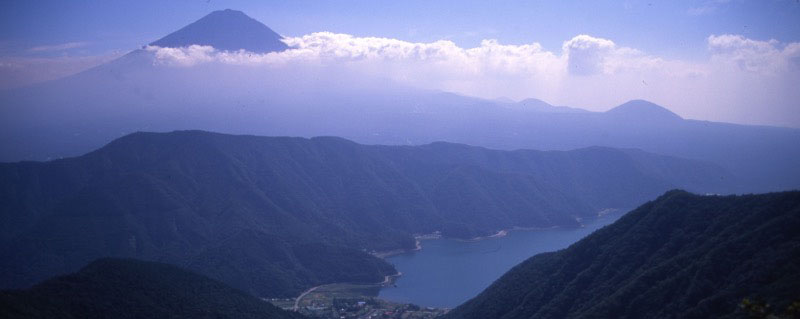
x=417, y=246
x=499, y=234
x=448, y=272
x=438, y=235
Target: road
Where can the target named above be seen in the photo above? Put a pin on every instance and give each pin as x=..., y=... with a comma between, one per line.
x=386, y=281
x=297, y=301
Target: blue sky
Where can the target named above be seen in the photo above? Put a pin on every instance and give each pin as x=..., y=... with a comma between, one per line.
x=676, y=29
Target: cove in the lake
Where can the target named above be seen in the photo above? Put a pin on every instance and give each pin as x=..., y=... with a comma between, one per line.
x=448, y=272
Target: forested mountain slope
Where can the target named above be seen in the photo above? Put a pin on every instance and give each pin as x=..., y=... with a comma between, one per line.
x=679, y=256
x=126, y=288
x=276, y=215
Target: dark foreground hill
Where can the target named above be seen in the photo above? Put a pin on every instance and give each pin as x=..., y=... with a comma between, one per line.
x=680, y=256
x=274, y=216
x=126, y=288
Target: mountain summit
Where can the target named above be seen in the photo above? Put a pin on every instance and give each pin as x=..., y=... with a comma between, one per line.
x=228, y=30
x=643, y=110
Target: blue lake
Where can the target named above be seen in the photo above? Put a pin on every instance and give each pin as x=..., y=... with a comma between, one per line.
x=448, y=272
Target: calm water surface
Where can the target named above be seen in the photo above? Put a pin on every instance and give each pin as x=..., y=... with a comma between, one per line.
x=447, y=272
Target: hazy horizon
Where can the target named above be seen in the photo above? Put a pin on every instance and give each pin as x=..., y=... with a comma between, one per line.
x=725, y=61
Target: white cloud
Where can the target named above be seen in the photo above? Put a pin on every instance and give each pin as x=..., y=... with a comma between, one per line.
x=587, y=55
x=707, y=8
x=326, y=47
x=186, y=56
x=701, y=10
x=58, y=47
x=581, y=55
x=589, y=72
x=769, y=57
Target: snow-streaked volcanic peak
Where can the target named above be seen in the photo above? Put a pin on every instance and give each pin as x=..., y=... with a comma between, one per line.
x=226, y=30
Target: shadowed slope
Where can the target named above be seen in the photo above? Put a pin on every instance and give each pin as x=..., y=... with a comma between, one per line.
x=126, y=288
x=680, y=256
x=276, y=215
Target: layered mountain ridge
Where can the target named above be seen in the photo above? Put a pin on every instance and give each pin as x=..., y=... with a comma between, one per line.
x=275, y=215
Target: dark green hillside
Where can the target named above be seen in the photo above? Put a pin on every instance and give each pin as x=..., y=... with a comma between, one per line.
x=274, y=216
x=680, y=256
x=126, y=288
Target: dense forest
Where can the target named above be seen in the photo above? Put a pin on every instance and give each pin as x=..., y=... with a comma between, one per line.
x=275, y=216
x=126, y=288
x=679, y=256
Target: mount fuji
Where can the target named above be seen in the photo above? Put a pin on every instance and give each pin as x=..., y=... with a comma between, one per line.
x=82, y=112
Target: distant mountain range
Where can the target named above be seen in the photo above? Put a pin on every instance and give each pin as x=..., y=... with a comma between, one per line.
x=126, y=288
x=74, y=115
x=679, y=256
x=276, y=215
